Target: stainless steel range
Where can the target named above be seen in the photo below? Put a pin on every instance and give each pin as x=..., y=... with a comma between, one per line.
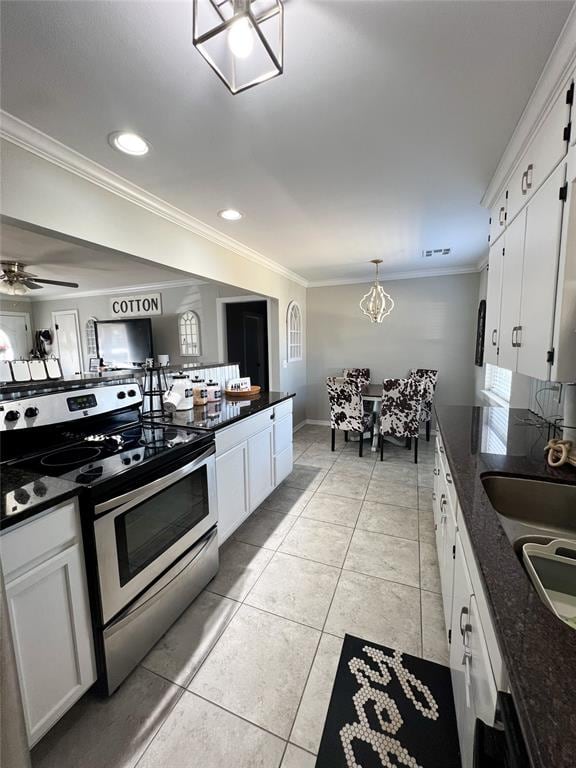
x=148, y=508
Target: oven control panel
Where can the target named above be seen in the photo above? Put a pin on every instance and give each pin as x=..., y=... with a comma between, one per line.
x=59, y=407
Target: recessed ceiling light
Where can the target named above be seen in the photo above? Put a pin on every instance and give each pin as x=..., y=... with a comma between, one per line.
x=230, y=214
x=129, y=143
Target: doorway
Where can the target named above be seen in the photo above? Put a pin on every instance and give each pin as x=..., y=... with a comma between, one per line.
x=67, y=341
x=15, y=338
x=247, y=339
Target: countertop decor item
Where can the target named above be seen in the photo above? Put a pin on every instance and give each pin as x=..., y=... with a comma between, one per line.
x=234, y=394
x=376, y=303
x=242, y=40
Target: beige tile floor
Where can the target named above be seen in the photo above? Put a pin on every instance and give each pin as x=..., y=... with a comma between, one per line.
x=244, y=677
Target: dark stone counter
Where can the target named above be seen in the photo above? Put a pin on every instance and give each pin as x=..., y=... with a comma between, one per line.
x=539, y=650
x=26, y=494
x=219, y=415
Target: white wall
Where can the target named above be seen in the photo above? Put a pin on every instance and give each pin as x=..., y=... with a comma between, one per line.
x=433, y=325
x=48, y=195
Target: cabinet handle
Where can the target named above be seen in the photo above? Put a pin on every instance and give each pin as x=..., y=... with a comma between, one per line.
x=271, y=415
x=529, y=171
x=524, y=179
x=448, y=478
x=494, y=334
x=518, y=331
x=514, y=336
x=466, y=628
x=501, y=216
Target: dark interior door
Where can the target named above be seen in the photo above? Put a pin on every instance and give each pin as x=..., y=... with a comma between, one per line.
x=247, y=334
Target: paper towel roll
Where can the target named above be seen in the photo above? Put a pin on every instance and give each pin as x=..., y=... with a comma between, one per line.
x=569, y=427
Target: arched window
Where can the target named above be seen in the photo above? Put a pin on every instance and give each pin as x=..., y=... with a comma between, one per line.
x=294, y=332
x=90, y=330
x=189, y=326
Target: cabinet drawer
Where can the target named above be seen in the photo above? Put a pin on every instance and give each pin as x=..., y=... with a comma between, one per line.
x=544, y=152
x=282, y=465
x=283, y=409
x=34, y=542
x=282, y=434
x=230, y=436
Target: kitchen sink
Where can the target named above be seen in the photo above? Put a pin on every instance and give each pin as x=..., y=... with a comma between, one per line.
x=532, y=509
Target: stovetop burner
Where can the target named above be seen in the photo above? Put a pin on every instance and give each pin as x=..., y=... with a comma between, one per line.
x=94, y=457
x=68, y=457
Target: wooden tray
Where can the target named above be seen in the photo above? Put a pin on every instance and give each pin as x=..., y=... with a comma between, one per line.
x=233, y=394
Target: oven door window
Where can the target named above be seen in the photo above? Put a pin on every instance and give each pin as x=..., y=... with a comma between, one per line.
x=148, y=529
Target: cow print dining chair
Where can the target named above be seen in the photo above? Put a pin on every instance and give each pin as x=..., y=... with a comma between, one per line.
x=362, y=374
x=400, y=411
x=346, y=409
x=429, y=377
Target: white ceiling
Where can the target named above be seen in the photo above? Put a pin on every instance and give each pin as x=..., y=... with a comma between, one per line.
x=94, y=269
x=378, y=141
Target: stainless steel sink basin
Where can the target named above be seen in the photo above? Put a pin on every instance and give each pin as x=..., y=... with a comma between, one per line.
x=532, y=507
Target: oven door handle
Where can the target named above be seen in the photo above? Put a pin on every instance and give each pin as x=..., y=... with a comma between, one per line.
x=143, y=493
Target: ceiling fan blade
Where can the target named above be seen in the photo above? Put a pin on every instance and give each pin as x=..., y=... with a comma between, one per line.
x=30, y=284
x=55, y=282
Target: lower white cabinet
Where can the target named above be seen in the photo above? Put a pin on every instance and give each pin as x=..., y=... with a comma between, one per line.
x=473, y=681
x=232, y=489
x=49, y=618
x=260, y=466
x=252, y=458
x=476, y=671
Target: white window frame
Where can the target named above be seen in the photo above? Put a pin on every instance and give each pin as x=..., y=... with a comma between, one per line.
x=90, y=336
x=294, y=333
x=189, y=319
x=498, y=384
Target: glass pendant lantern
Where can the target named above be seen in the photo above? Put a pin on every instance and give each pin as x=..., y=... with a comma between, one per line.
x=376, y=303
x=242, y=40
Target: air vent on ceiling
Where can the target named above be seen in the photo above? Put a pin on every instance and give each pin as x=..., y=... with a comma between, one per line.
x=435, y=252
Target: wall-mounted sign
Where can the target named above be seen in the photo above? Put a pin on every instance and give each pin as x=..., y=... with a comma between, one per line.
x=136, y=306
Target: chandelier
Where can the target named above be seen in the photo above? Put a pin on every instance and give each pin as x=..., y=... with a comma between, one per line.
x=242, y=40
x=376, y=303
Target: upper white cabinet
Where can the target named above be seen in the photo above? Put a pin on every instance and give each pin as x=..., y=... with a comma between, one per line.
x=531, y=301
x=43, y=565
x=545, y=151
x=498, y=217
x=539, y=277
x=493, y=301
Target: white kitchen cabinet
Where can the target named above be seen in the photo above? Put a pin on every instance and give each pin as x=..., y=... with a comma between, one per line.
x=253, y=456
x=261, y=466
x=445, y=529
x=498, y=217
x=545, y=151
x=539, y=278
x=493, y=301
x=511, y=292
x=232, y=489
x=49, y=616
x=473, y=683
x=282, y=448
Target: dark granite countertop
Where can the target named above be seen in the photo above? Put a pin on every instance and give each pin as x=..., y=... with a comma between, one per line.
x=218, y=415
x=26, y=494
x=538, y=649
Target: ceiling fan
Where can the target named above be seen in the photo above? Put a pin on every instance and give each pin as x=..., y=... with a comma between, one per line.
x=16, y=282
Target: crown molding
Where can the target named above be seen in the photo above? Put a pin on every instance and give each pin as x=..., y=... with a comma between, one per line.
x=34, y=297
x=557, y=70
x=385, y=277
x=32, y=140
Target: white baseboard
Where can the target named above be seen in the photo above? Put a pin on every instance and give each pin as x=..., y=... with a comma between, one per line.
x=299, y=426
x=319, y=422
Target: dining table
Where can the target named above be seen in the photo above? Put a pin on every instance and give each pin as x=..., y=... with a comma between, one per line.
x=372, y=393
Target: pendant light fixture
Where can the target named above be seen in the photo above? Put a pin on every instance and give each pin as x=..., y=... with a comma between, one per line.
x=242, y=40
x=376, y=303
